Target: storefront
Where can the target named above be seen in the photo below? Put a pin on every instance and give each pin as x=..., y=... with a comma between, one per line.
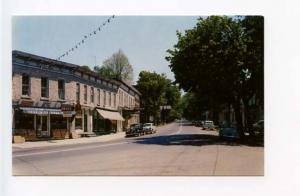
x=106, y=120
x=35, y=120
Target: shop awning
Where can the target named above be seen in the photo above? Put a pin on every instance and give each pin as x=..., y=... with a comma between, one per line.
x=110, y=115
x=41, y=111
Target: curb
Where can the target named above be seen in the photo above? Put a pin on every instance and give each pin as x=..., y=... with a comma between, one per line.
x=66, y=142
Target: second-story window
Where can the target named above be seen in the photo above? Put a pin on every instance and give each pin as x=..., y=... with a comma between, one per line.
x=44, y=87
x=109, y=99
x=92, y=94
x=115, y=100
x=98, y=99
x=85, y=93
x=77, y=92
x=61, y=89
x=104, y=98
x=25, y=85
x=112, y=99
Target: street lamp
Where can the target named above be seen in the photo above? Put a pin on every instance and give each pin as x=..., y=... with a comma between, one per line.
x=163, y=109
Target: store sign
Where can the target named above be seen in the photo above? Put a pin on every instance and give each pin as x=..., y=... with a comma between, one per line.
x=26, y=103
x=67, y=107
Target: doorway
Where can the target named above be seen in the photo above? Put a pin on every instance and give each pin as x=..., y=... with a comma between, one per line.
x=85, y=123
x=42, y=127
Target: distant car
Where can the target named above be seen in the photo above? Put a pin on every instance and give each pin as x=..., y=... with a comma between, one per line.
x=149, y=128
x=228, y=131
x=208, y=125
x=199, y=123
x=135, y=130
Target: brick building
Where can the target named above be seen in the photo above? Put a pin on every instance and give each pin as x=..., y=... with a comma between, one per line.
x=54, y=99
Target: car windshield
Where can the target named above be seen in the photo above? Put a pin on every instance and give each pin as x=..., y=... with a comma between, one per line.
x=147, y=124
x=134, y=125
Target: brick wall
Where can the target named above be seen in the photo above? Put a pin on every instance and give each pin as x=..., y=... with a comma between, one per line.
x=35, y=88
x=53, y=90
x=16, y=86
x=70, y=92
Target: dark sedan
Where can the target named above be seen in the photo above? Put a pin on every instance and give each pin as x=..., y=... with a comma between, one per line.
x=135, y=130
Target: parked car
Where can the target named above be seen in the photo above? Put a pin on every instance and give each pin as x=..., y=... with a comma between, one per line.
x=135, y=130
x=208, y=125
x=149, y=128
x=199, y=123
x=228, y=131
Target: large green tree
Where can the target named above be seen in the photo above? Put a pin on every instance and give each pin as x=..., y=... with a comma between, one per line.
x=220, y=60
x=157, y=91
x=117, y=67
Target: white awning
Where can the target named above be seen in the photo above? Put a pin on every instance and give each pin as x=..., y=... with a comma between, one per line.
x=41, y=111
x=110, y=115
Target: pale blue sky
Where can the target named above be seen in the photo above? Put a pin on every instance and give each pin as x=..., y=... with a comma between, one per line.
x=144, y=39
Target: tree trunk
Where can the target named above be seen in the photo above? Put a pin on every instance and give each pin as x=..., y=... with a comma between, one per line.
x=238, y=118
x=249, y=121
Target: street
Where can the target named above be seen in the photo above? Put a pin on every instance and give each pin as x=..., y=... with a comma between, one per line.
x=176, y=149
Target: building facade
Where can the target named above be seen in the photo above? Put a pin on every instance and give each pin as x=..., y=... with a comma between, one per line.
x=54, y=99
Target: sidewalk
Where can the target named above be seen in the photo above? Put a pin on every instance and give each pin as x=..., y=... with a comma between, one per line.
x=82, y=140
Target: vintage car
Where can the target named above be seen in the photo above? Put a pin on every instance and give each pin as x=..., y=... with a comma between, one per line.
x=228, y=131
x=149, y=128
x=135, y=130
x=208, y=125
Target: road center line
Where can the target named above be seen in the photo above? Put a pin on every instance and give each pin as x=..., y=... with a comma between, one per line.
x=67, y=150
x=179, y=131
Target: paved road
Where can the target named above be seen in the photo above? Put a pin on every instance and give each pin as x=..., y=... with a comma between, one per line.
x=177, y=149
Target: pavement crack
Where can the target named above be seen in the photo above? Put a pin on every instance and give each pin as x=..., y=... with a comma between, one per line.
x=216, y=161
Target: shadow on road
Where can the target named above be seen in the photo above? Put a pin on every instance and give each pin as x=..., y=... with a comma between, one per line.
x=192, y=140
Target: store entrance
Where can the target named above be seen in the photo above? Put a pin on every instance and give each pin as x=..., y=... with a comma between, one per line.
x=85, y=129
x=42, y=126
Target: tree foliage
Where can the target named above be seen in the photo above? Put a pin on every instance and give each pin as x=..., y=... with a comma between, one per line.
x=156, y=91
x=86, y=67
x=117, y=66
x=220, y=60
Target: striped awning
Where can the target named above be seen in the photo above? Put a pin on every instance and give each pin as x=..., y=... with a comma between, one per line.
x=41, y=111
x=110, y=115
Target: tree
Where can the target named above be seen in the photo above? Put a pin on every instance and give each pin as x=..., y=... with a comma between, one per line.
x=86, y=67
x=218, y=61
x=117, y=66
x=156, y=91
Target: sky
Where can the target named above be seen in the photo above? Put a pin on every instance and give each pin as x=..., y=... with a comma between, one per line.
x=144, y=39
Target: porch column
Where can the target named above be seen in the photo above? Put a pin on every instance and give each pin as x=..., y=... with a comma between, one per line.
x=90, y=121
x=49, y=125
x=72, y=127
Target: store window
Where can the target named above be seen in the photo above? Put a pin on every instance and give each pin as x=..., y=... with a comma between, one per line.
x=44, y=87
x=24, y=121
x=58, y=122
x=25, y=85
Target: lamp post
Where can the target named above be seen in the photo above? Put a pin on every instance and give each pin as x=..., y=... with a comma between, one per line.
x=163, y=109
